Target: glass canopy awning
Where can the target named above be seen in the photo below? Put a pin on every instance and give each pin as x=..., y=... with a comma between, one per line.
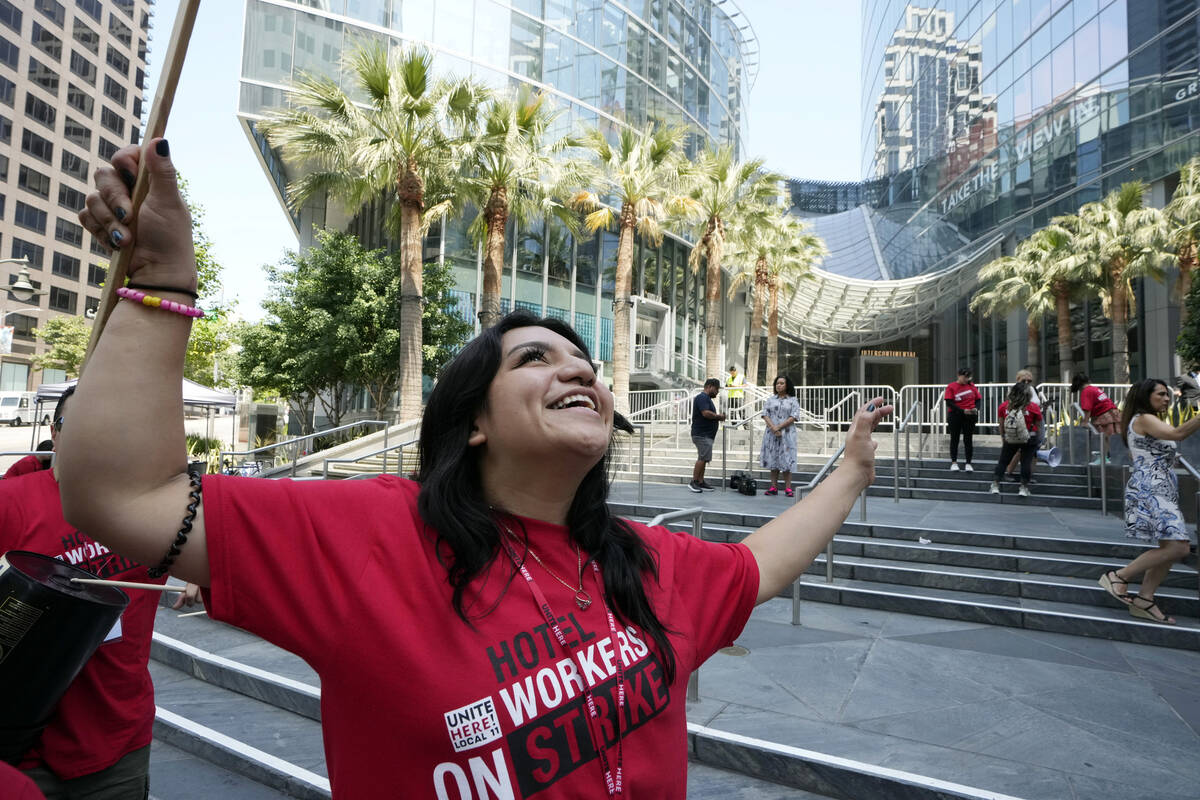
x=837, y=311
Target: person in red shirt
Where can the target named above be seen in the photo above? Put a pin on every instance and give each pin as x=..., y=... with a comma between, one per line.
x=31, y=463
x=1104, y=414
x=962, y=410
x=1020, y=399
x=98, y=744
x=16, y=785
x=525, y=642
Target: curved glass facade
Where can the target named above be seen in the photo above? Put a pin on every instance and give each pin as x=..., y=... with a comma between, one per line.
x=1004, y=113
x=607, y=63
x=677, y=61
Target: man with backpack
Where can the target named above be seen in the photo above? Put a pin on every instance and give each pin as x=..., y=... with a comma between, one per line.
x=1020, y=419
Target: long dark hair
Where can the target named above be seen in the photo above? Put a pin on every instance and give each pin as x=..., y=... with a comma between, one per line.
x=452, y=503
x=1019, y=395
x=1078, y=382
x=1138, y=402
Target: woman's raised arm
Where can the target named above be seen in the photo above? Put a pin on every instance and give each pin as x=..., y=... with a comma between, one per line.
x=787, y=545
x=122, y=459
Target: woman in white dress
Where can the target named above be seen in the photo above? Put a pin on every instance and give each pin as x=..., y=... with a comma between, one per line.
x=1151, y=498
x=780, y=412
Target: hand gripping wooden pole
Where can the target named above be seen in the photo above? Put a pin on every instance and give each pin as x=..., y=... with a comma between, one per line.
x=164, y=96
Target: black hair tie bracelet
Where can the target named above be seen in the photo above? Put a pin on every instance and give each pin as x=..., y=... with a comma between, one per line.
x=143, y=287
x=184, y=529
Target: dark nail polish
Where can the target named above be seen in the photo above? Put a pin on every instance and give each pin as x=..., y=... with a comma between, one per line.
x=120, y=213
x=162, y=148
x=129, y=178
x=116, y=238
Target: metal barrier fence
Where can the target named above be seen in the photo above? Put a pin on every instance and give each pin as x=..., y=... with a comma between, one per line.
x=295, y=449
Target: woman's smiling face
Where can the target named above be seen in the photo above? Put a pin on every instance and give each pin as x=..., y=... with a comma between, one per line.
x=544, y=399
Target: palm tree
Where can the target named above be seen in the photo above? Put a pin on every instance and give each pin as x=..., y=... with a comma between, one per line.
x=512, y=171
x=644, y=174
x=1121, y=239
x=1183, y=213
x=724, y=191
x=1053, y=253
x=396, y=146
x=792, y=262
x=1012, y=282
x=754, y=245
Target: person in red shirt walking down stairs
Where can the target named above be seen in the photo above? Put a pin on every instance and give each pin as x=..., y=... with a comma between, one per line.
x=1020, y=422
x=97, y=746
x=962, y=411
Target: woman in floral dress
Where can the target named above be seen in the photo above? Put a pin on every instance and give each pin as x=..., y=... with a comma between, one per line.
x=780, y=412
x=1151, y=498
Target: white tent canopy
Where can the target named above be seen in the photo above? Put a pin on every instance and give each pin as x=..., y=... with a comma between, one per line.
x=193, y=394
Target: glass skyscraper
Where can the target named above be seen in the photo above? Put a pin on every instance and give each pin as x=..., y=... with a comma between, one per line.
x=605, y=63
x=983, y=119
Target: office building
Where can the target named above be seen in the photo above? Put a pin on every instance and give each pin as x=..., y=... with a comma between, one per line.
x=72, y=79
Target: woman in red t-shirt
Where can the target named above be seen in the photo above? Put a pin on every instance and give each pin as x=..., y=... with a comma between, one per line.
x=1020, y=400
x=962, y=410
x=437, y=603
x=1104, y=414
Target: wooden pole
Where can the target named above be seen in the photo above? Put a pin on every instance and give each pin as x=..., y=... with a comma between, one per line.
x=164, y=96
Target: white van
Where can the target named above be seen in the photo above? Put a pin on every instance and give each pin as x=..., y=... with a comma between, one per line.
x=18, y=408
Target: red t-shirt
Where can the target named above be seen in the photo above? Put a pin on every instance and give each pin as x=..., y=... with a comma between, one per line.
x=418, y=704
x=1033, y=415
x=16, y=785
x=108, y=711
x=1095, y=402
x=963, y=396
x=24, y=466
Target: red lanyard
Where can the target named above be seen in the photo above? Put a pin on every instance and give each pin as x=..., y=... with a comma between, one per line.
x=612, y=783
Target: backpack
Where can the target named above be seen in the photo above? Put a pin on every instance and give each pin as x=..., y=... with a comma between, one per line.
x=743, y=482
x=1014, y=430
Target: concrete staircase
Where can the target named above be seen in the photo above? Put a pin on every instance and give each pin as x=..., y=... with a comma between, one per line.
x=1015, y=580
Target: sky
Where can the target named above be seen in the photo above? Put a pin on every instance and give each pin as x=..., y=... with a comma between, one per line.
x=803, y=119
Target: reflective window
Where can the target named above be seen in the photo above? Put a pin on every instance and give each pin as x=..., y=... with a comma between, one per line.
x=1114, y=36
x=318, y=48
x=526, y=56
x=452, y=26
x=267, y=50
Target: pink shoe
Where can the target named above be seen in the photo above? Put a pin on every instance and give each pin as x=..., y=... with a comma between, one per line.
x=788, y=491
x=771, y=491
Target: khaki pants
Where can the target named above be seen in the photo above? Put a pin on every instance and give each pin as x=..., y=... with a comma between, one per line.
x=128, y=779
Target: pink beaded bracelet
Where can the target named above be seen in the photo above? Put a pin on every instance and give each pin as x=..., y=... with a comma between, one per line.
x=158, y=302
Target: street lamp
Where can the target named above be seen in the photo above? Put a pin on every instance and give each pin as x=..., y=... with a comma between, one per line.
x=22, y=288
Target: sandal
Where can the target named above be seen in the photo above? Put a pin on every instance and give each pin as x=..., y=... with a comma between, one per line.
x=788, y=491
x=1149, y=612
x=771, y=491
x=1108, y=582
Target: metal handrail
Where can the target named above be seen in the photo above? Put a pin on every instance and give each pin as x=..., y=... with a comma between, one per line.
x=296, y=442
x=697, y=515
x=52, y=453
x=829, y=547
x=1090, y=429
x=382, y=451
x=896, y=429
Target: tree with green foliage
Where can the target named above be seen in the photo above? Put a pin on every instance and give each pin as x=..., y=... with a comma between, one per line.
x=644, y=172
x=1183, y=214
x=1121, y=239
x=724, y=191
x=512, y=170
x=1188, y=342
x=263, y=364
x=388, y=136
x=66, y=341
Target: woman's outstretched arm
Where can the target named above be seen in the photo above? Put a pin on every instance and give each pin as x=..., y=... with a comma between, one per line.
x=122, y=459
x=787, y=545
